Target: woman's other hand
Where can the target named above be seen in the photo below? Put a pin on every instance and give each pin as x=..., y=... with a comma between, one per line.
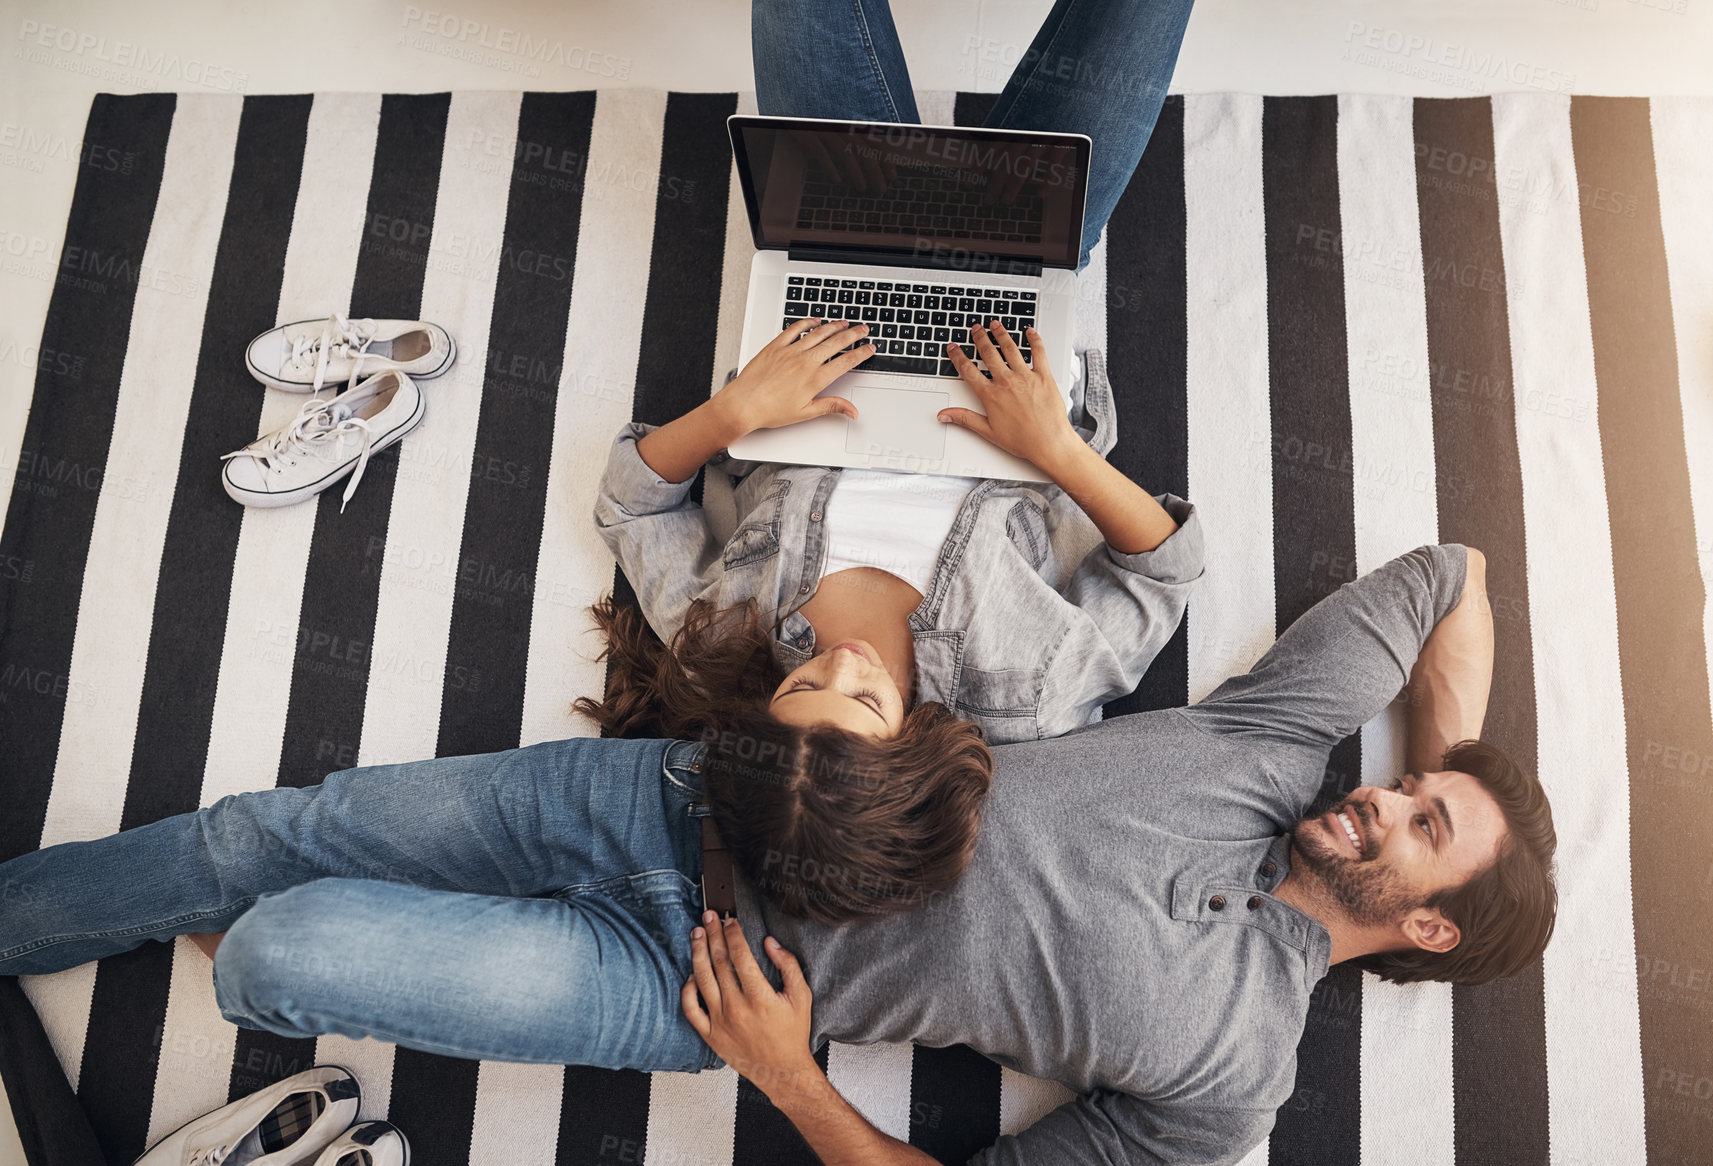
x=778, y=386
x=1025, y=413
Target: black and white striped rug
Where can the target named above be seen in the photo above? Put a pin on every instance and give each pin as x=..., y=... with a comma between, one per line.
x=1344, y=326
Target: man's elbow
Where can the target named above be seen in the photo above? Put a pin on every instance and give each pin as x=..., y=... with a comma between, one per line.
x=1475, y=573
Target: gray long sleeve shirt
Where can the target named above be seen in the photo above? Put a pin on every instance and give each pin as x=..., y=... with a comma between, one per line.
x=1116, y=930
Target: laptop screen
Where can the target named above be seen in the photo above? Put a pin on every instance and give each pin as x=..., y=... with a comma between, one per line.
x=896, y=186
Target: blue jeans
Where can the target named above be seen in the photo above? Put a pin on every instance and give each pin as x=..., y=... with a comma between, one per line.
x=1095, y=67
x=531, y=905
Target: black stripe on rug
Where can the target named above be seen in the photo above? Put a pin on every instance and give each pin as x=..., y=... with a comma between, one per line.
x=1147, y=339
x=681, y=316
x=57, y=479
x=954, y=1102
x=1314, y=544
x=1498, y=1029
x=330, y=670
x=176, y=710
x=51, y=1127
x=764, y=1136
x=675, y=363
x=434, y=1096
x=1662, y=653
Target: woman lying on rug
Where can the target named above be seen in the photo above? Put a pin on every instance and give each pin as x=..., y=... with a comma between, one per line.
x=880, y=624
x=874, y=624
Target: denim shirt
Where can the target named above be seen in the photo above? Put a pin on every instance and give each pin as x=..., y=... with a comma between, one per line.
x=997, y=639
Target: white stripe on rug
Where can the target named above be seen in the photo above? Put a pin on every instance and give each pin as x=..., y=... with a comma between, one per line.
x=1684, y=170
x=425, y=531
x=1229, y=421
x=418, y=563
x=110, y=649
x=1593, y=1025
x=875, y=1079
x=1024, y=1100
x=603, y=336
x=692, y=1112
x=248, y=723
x=517, y=1111
x=1406, y=1066
x=1231, y=614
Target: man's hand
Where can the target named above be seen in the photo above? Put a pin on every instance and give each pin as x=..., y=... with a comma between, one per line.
x=764, y=1035
x=778, y=386
x=1025, y=411
x=759, y=1032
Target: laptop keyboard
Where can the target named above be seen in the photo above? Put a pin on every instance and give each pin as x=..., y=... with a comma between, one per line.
x=910, y=323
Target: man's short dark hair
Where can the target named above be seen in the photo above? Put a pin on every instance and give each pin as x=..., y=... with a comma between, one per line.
x=1505, y=911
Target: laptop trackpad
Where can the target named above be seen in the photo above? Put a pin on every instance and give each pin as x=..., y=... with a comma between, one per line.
x=900, y=424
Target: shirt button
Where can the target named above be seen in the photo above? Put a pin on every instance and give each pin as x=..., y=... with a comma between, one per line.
x=815, y=516
x=803, y=590
x=1217, y=902
x=1269, y=869
x=1255, y=902
x=804, y=642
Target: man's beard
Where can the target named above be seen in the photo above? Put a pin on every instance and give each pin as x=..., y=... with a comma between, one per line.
x=1370, y=893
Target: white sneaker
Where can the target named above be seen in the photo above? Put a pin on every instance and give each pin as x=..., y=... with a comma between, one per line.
x=373, y=1143
x=329, y=438
x=302, y=357
x=286, y=1124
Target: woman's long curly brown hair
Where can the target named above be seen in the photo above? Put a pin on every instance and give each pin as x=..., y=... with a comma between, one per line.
x=830, y=825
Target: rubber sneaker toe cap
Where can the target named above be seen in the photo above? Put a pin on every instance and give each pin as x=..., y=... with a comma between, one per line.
x=246, y=475
x=267, y=352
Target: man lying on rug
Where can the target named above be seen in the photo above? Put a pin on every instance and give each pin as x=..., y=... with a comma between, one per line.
x=1144, y=917
x=1147, y=911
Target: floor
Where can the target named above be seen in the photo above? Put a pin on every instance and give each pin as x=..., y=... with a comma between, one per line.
x=63, y=52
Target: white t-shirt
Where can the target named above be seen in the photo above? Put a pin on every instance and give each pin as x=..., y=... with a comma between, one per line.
x=895, y=522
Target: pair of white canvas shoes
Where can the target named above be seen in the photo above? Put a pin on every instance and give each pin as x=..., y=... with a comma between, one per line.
x=334, y=437
x=304, y=1120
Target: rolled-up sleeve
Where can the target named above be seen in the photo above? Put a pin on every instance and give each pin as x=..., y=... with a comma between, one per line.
x=656, y=531
x=1127, y=607
x=1116, y=1128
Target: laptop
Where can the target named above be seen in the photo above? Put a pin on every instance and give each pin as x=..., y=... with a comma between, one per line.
x=918, y=231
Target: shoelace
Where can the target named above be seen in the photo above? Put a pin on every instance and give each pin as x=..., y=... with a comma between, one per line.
x=347, y=337
x=318, y=423
x=208, y=1155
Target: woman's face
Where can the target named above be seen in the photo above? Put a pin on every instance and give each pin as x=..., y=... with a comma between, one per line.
x=844, y=685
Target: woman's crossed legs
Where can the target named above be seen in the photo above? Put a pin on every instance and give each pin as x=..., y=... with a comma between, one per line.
x=1095, y=67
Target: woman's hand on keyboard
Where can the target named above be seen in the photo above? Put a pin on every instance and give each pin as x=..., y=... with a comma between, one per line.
x=1025, y=413
x=778, y=386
